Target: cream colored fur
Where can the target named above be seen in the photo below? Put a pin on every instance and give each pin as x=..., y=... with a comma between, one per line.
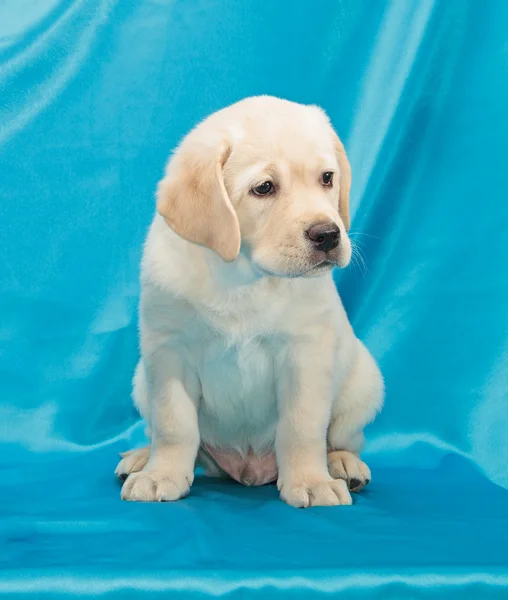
x=244, y=340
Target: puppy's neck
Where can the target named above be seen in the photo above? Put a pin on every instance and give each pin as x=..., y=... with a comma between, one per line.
x=199, y=273
x=232, y=276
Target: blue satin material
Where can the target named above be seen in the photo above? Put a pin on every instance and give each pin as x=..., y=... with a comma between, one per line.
x=93, y=96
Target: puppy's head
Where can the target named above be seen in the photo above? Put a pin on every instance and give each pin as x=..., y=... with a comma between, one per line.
x=266, y=177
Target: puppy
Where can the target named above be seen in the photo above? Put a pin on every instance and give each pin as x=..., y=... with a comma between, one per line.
x=249, y=365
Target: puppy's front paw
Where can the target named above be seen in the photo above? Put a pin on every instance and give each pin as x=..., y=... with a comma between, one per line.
x=306, y=491
x=154, y=486
x=347, y=466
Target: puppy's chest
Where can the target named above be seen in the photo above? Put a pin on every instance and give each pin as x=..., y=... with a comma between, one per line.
x=239, y=398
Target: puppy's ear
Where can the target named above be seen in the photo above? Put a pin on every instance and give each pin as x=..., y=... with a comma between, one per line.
x=194, y=202
x=344, y=182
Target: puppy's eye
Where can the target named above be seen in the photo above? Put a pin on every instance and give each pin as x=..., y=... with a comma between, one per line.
x=263, y=189
x=327, y=178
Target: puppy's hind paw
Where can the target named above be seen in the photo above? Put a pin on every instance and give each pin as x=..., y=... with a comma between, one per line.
x=132, y=462
x=347, y=466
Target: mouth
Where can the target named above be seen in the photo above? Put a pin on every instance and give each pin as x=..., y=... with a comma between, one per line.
x=319, y=268
x=308, y=271
x=324, y=264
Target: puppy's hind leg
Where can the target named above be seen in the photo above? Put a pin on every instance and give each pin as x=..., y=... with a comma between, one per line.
x=360, y=398
x=135, y=460
x=140, y=396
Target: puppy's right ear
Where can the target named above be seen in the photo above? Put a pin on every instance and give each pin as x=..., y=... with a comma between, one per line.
x=194, y=202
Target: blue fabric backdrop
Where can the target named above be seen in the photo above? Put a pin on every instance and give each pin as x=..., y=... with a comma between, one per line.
x=93, y=96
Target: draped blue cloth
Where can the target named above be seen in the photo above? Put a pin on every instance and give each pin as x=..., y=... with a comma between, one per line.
x=93, y=96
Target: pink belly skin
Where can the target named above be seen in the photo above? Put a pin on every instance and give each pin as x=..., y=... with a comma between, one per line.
x=249, y=470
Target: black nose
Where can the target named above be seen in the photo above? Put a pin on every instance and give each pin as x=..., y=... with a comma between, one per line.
x=324, y=236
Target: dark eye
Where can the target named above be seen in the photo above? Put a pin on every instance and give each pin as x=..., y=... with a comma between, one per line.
x=263, y=189
x=327, y=178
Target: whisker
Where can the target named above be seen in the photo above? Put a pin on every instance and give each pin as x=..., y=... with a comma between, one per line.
x=358, y=259
x=362, y=233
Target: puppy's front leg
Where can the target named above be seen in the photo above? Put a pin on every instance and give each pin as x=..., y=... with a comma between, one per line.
x=173, y=392
x=305, y=400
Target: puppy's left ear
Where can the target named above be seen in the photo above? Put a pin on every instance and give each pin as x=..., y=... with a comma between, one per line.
x=344, y=182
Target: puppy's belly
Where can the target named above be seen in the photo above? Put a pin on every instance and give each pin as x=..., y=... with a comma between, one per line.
x=238, y=410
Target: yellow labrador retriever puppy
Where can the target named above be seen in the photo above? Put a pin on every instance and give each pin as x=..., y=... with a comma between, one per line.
x=248, y=362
